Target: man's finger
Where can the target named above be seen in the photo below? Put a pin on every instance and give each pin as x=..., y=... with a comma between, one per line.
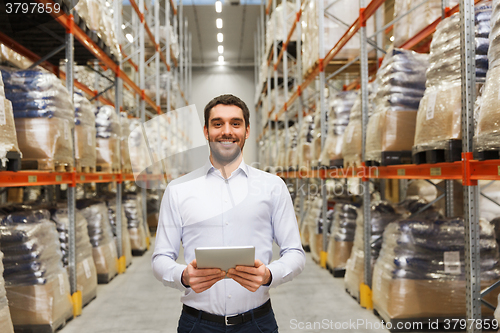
x=193, y=263
x=207, y=284
x=207, y=271
x=247, y=269
x=243, y=275
x=245, y=283
x=258, y=263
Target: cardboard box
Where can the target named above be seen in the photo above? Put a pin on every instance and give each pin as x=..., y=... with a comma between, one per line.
x=86, y=279
x=153, y=220
x=351, y=146
x=105, y=259
x=85, y=147
x=8, y=138
x=107, y=152
x=137, y=238
x=5, y=321
x=354, y=273
x=338, y=253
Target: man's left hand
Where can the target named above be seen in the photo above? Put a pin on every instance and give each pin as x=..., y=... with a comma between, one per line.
x=250, y=278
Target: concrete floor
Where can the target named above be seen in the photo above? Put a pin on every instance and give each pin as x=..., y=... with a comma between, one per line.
x=137, y=302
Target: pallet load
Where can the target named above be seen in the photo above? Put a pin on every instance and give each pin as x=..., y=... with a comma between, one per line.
x=85, y=141
x=108, y=133
x=5, y=320
x=316, y=142
x=133, y=211
x=291, y=155
x=341, y=238
x=305, y=143
x=43, y=115
x=314, y=222
x=303, y=225
x=381, y=214
x=101, y=238
x=391, y=127
x=126, y=247
x=340, y=109
x=154, y=201
x=420, y=273
x=439, y=130
x=37, y=284
x=124, y=151
x=487, y=138
x=86, y=273
x=10, y=156
x=280, y=32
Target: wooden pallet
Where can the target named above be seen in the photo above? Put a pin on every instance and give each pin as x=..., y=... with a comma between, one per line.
x=57, y=325
x=306, y=248
x=85, y=169
x=138, y=253
x=107, y=168
x=105, y=278
x=337, y=163
x=490, y=154
x=45, y=166
x=392, y=158
x=336, y=272
x=13, y=162
x=452, y=152
x=352, y=164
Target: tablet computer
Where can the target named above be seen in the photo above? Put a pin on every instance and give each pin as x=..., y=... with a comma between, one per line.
x=225, y=257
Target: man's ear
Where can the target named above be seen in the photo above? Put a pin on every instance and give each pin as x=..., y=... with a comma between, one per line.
x=205, y=131
x=247, y=132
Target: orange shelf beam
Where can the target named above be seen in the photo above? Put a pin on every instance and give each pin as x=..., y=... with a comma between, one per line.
x=34, y=178
x=486, y=170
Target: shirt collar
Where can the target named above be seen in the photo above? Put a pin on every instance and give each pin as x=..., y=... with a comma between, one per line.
x=208, y=167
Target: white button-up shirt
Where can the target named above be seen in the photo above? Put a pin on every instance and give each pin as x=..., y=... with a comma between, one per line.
x=250, y=208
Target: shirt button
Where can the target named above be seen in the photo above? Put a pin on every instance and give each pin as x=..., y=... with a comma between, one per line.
x=225, y=200
x=228, y=296
x=227, y=223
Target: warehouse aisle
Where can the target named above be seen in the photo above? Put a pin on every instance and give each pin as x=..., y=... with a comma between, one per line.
x=137, y=302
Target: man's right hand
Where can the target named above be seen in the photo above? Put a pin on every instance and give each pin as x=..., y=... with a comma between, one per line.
x=201, y=279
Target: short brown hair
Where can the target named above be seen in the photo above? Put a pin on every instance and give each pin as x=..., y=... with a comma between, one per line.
x=227, y=99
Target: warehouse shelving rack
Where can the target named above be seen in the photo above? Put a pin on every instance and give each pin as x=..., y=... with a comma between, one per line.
x=89, y=47
x=467, y=170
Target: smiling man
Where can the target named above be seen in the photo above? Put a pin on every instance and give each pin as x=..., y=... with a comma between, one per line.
x=227, y=203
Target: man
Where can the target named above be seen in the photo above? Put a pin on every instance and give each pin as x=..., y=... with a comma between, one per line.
x=227, y=203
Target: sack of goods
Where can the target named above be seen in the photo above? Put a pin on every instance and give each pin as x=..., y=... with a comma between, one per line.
x=153, y=206
x=341, y=237
x=487, y=139
x=8, y=138
x=85, y=146
x=305, y=142
x=126, y=247
x=391, y=128
x=340, y=110
x=108, y=137
x=37, y=284
x=439, y=115
x=5, y=321
x=86, y=273
x=280, y=31
x=124, y=150
x=291, y=159
x=381, y=214
x=421, y=269
x=302, y=220
x=132, y=205
x=316, y=133
x=43, y=115
x=314, y=224
x=101, y=238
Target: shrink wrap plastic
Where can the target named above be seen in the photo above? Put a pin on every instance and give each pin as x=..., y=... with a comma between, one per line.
x=304, y=227
x=132, y=205
x=291, y=159
x=279, y=33
x=9, y=56
x=8, y=136
x=37, y=285
x=316, y=134
x=439, y=114
x=342, y=235
x=138, y=150
x=381, y=213
x=314, y=222
x=174, y=43
x=340, y=109
x=125, y=133
x=101, y=238
x=280, y=158
x=5, y=321
x=108, y=133
x=126, y=248
x=401, y=80
x=85, y=145
x=305, y=139
x=421, y=268
x=43, y=116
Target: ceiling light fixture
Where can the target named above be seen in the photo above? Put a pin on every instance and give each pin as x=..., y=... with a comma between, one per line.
x=218, y=22
x=220, y=48
x=221, y=59
x=220, y=37
x=218, y=6
x=123, y=26
x=129, y=37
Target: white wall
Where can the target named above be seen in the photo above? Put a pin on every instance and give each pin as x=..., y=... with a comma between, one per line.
x=212, y=82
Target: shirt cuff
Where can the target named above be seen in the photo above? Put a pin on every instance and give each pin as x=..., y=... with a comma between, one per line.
x=270, y=279
x=177, y=276
x=278, y=273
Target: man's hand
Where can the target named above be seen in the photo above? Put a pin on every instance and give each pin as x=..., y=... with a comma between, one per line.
x=201, y=279
x=251, y=277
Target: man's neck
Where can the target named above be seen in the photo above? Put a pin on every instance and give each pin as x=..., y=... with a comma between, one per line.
x=226, y=169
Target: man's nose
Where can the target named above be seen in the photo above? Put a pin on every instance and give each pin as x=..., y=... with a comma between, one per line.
x=226, y=129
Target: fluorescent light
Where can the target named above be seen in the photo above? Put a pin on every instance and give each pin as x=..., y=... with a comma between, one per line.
x=220, y=48
x=392, y=38
x=218, y=6
x=218, y=22
x=123, y=26
x=221, y=59
x=220, y=37
x=129, y=37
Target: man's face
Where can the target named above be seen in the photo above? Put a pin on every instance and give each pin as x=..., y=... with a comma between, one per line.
x=226, y=132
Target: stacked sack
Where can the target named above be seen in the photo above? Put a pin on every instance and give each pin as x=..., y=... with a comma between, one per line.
x=85, y=141
x=305, y=140
x=488, y=117
x=8, y=138
x=86, y=273
x=302, y=220
x=313, y=221
x=126, y=248
x=340, y=110
x=381, y=214
x=124, y=151
x=316, y=133
x=101, y=238
x=421, y=269
x=281, y=32
x=341, y=236
x=5, y=321
x=43, y=115
x=37, y=284
x=132, y=204
x=391, y=127
x=108, y=133
x=439, y=114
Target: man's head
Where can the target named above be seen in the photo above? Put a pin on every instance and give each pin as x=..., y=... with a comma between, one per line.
x=227, y=126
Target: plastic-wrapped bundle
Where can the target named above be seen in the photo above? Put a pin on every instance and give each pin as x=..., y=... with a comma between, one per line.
x=381, y=214
x=135, y=221
x=5, y=321
x=91, y=11
x=280, y=158
x=305, y=142
x=351, y=140
x=291, y=158
x=401, y=87
x=340, y=110
x=280, y=35
x=37, y=284
x=302, y=220
x=421, y=268
x=85, y=145
x=101, y=238
x=312, y=220
x=153, y=202
x=439, y=113
x=341, y=236
x=86, y=273
x=8, y=137
x=138, y=149
x=108, y=133
x=125, y=132
x=43, y=116
x=316, y=143
x=174, y=44
x=126, y=248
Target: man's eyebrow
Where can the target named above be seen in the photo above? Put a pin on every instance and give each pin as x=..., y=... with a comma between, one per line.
x=220, y=119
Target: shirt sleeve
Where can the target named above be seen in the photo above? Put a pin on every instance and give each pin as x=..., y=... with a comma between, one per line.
x=286, y=234
x=168, y=239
